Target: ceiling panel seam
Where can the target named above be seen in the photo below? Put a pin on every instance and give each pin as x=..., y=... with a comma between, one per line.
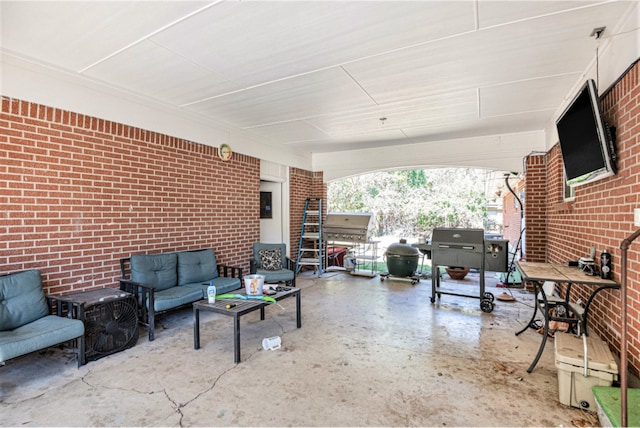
x=360, y=86
x=153, y=33
x=342, y=65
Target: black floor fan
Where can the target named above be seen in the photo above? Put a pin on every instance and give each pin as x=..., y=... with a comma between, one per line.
x=110, y=327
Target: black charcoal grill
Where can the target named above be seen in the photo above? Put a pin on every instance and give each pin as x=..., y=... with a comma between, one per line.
x=455, y=247
x=346, y=227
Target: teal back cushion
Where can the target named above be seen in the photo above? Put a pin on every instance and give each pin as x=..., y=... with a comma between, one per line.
x=155, y=270
x=196, y=266
x=22, y=299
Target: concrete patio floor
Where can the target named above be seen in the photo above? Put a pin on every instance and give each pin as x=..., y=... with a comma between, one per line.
x=369, y=353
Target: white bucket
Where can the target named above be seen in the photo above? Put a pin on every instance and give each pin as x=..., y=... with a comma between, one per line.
x=253, y=284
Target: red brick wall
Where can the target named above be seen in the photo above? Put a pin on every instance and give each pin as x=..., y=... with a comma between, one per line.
x=77, y=193
x=601, y=215
x=303, y=184
x=535, y=189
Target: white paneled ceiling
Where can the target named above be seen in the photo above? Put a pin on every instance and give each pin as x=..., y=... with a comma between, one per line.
x=317, y=76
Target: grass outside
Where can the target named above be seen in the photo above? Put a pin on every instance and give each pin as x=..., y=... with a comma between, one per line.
x=381, y=267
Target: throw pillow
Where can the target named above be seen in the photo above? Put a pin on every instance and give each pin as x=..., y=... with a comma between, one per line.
x=271, y=259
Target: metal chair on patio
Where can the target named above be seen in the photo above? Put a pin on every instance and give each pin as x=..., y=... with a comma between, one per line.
x=271, y=261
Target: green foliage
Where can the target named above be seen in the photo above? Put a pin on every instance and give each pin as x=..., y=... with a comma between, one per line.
x=413, y=202
x=415, y=177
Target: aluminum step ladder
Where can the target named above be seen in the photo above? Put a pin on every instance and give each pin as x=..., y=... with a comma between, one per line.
x=310, y=246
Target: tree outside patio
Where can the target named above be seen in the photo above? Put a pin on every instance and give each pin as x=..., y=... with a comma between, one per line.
x=409, y=204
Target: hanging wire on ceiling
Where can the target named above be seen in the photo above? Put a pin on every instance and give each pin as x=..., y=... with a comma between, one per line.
x=597, y=63
x=597, y=33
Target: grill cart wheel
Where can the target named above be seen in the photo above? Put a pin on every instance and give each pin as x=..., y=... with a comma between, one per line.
x=486, y=306
x=489, y=296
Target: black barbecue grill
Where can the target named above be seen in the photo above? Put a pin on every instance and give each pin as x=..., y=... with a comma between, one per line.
x=459, y=248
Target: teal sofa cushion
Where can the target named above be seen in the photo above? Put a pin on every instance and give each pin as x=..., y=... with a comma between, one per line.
x=159, y=271
x=196, y=266
x=39, y=334
x=280, y=275
x=174, y=297
x=223, y=285
x=22, y=299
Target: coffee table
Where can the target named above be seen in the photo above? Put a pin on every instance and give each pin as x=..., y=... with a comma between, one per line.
x=241, y=307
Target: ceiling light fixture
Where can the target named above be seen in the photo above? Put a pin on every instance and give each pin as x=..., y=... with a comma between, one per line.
x=382, y=120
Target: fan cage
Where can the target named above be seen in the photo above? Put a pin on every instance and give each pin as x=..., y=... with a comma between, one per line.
x=110, y=327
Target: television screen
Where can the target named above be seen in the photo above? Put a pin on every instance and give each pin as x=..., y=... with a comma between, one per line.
x=587, y=148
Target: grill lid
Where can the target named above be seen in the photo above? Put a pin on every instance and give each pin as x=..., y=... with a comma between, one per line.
x=464, y=239
x=402, y=249
x=351, y=227
x=457, y=247
x=348, y=220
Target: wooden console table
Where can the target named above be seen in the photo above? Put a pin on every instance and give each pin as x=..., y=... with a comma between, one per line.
x=537, y=273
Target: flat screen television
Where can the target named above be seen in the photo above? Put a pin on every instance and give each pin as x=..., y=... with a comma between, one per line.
x=586, y=142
